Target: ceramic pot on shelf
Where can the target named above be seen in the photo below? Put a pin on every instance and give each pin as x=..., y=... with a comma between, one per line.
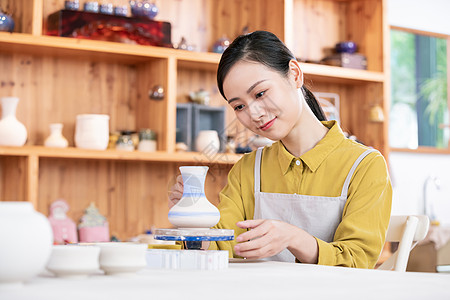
x=92, y=131
x=56, y=139
x=26, y=238
x=6, y=22
x=207, y=142
x=12, y=132
x=194, y=210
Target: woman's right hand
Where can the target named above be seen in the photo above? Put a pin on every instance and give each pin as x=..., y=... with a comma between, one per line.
x=176, y=191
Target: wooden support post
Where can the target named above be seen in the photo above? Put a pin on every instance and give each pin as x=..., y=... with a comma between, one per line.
x=36, y=25
x=32, y=180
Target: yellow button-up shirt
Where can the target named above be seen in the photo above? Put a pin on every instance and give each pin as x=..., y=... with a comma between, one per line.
x=321, y=171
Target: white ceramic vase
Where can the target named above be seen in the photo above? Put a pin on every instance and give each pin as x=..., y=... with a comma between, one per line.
x=92, y=131
x=56, y=139
x=26, y=242
x=207, y=142
x=194, y=210
x=12, y=132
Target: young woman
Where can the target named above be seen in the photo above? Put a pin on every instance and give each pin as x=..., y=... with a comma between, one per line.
x=314, y=196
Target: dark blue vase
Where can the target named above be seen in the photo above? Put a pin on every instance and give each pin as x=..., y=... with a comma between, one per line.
x=6, y=22
x=346, y=47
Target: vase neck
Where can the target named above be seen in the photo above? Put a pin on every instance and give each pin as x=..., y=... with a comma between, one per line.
x=193, y=185
x=9, y=105
x=193, y=181
x=56, y=129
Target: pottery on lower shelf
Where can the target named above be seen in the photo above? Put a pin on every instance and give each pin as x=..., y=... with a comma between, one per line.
x=12, y=132
x=93, y=226
x=64, y=229
x=26, y=242
x=56, y=139
x=194, y=210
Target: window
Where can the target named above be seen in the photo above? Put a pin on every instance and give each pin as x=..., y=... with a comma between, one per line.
x=419, y=108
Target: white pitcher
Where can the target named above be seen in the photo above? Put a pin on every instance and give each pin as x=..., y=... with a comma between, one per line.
x=12, y=132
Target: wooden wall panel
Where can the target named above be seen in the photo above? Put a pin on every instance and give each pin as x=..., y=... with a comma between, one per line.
x=192, y=80
x=55, y=89
x=13, y=181
x=153, y=113
x=365, y=27
x=318, y=26
x=229, y=17
x=132, y=195
x=189, y=19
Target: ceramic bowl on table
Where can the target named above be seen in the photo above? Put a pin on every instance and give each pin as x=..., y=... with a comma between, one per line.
x=74, y=260
x=118, y=258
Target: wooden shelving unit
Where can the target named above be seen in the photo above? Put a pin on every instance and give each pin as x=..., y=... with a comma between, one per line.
x=57, y=78
x=111, y=154
x=132, y=54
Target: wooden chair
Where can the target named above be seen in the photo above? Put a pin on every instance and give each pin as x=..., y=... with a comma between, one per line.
x=408, y=231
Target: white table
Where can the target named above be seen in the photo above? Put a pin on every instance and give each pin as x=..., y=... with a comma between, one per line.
x=251, y=280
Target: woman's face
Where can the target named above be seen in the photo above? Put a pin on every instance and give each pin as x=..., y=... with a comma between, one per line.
x=264, y=101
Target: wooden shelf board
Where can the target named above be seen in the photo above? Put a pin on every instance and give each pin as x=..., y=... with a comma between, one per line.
x=158, y=156
x=62, y=46
x=91, y=49
x=340, y=75
x=422, y=149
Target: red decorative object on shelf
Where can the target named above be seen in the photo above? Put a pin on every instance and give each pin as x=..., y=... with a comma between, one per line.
x=97, y=26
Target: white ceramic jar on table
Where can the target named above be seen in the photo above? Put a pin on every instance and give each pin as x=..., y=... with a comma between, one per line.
x=26, y=239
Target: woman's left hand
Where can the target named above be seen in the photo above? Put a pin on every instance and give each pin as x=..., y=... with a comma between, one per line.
x=266, y=238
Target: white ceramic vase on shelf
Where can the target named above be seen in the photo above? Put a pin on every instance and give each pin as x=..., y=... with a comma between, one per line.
x=194, y=210
x=12, y=132
x=56, y=139
x=26, y=242
x=92, y=131
x=207, y=142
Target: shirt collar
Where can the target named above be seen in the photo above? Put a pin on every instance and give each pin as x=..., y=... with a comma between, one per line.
x=314, y=157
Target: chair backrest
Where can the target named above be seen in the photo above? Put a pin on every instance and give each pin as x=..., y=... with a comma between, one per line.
x=408, y=231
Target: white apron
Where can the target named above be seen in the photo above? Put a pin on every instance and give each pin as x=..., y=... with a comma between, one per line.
x=317, y=215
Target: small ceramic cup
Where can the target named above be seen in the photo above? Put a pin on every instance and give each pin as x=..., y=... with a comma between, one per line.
x=122, y=258
x=74, y=261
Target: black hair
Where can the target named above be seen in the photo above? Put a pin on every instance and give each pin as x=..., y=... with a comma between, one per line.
x=266, y=48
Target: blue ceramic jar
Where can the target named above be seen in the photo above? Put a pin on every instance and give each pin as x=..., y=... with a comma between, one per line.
x=6, y=22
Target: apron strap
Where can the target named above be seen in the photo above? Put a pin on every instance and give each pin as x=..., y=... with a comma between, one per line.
x=257, y=183
x=352, y=170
